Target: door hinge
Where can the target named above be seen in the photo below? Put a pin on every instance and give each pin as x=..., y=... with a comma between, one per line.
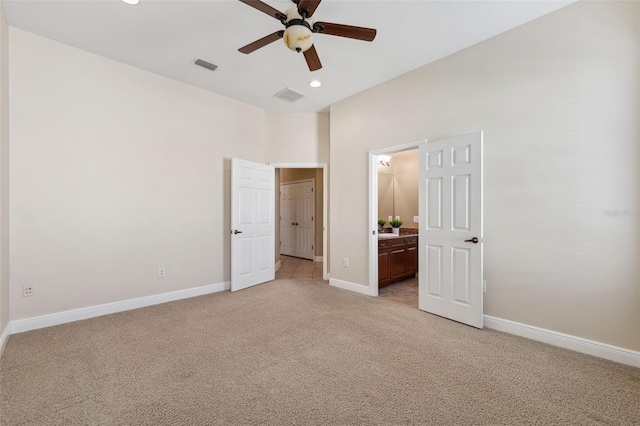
x=312, y=247
x=311, y=217
x=311, y=189
x=280, y=242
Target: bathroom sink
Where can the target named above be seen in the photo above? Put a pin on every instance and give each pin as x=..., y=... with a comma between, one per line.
x=384, y=236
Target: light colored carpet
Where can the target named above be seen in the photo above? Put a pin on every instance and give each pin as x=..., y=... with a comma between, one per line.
x=301, y=352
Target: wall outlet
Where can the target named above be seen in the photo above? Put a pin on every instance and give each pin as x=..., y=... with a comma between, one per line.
x=27, y=291
x=416, y=219
x=345, y=262
x=161, y=272
x=484, y=286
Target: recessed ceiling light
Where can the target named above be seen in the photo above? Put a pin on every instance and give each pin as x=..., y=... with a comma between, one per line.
x=315, y=83
x=131, y=1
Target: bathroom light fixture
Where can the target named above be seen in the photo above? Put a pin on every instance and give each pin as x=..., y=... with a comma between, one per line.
x=315, y=84
x=384, y=160
x=131, y=1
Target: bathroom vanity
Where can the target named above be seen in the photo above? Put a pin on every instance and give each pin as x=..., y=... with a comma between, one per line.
x=397, y=258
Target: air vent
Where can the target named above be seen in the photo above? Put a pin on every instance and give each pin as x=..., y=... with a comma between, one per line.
x=205, y=64
x=289, y=95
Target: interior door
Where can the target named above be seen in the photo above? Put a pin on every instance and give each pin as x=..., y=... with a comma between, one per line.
x=450, y=236
x=287, y=220
x=305, y=225
x=252, y=223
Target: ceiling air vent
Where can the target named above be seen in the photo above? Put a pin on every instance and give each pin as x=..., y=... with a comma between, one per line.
x=205, y=64
x=289, y=95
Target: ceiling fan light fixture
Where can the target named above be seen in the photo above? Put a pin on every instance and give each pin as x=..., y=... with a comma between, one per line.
x=298, y=38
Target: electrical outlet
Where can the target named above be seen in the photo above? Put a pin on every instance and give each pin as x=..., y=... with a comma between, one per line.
x=161, y=272
x=27, y=291
x=416, y=219
x=484, y=286
x=345, y=262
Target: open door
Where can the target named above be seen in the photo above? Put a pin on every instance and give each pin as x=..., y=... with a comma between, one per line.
x=252, y=223
x=450, y=240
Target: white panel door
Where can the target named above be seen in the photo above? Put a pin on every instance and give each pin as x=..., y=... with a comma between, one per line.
x=450, y=236
x=287, y=220
x=252, y=223
x=297, y=224
x=305, y=225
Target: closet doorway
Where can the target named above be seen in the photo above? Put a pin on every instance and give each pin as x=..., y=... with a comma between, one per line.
x=298, y=173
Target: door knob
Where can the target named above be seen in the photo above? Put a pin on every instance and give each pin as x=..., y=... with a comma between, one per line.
x=474, y=240
x=235, y=231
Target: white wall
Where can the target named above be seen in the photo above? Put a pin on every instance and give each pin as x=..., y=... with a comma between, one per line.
x=558, y=101
x=298, y=138
x=4, y=172
x=114, y=172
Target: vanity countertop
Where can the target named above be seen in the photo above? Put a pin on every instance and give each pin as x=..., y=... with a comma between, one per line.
x=389, y=236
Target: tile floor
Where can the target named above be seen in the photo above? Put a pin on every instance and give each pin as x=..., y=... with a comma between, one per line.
x=405, y=292
x=299, y=269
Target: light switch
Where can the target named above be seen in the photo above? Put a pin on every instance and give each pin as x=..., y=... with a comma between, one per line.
x=416, y=219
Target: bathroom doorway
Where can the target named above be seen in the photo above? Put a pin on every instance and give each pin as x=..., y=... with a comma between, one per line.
x=398, y=215
x=450, y=232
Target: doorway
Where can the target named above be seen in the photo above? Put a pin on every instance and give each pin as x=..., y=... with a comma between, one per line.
x=450, y=232
x=299, y=172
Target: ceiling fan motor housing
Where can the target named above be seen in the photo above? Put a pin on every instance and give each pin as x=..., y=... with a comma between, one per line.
x=298, y=35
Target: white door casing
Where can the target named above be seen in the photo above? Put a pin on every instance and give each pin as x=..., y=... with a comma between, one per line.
x=252, y=223
x=450, y=263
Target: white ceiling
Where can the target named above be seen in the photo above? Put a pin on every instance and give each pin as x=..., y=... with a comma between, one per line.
x=165, y=37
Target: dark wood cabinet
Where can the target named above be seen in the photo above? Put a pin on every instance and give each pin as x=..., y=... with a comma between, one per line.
x=397, y=260
x=411, y=256
x=384, y=278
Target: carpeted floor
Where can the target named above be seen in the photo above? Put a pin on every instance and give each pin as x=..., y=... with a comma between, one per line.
x=301, y=352
x=405, y=292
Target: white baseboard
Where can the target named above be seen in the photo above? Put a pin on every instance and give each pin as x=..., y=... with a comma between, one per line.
x=34, y=323
x=4, y=338
x=567, y=341
x=319, y=258
x=346, y=285
x=277, y=266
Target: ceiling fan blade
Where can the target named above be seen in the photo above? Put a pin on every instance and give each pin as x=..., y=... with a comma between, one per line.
x=309, y=5
x=340, y=30
x=263, y=7
x=252, y=47
x=313, y=60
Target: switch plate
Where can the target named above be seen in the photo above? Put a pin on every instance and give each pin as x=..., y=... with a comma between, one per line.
x=484, y=286
x=161, y=272
x=345, y=262
x=27, y=291
x=416, y=219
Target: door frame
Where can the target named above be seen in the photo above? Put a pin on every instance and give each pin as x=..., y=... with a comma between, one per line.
x=325, y=203
x=373, y=207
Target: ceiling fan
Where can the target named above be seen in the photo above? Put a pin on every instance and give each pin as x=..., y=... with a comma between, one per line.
x=299, y=31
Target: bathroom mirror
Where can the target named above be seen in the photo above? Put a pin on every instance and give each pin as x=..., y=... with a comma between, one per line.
x=385, y=195
x=398, y=187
